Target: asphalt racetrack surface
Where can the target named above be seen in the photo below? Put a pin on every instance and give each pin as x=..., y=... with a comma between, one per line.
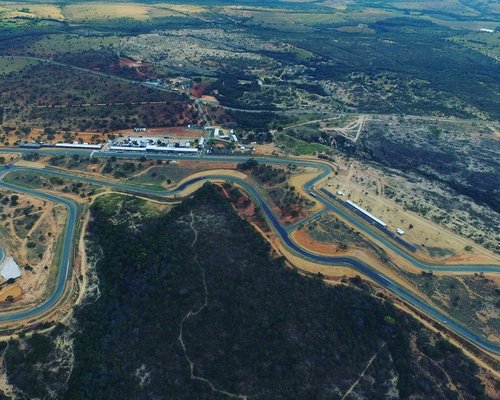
x=329, y=205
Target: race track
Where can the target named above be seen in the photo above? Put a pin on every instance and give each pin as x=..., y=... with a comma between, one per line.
x=69, y=235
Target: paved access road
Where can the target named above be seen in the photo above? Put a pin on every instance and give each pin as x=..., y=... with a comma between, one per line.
x=66, y=256
x=416, y=301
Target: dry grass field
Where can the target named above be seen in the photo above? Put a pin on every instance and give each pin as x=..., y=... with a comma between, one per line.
x=100, y=11
x=30, y=10
x=181, y=8
x=97, y=11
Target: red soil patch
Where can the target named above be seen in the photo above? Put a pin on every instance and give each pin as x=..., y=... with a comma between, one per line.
x=132, y=69
x=219, y=145
x=184, y=132
x=199, y=90
x=304, y=240
x=288, y=218
x=210, y=99
x=178, y=131
x=495, y=278
x=124, y=62
x=248, y=213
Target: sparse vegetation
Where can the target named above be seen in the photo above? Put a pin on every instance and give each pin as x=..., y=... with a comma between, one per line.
x=198, y=286
x=295, y=328
x=290, y=203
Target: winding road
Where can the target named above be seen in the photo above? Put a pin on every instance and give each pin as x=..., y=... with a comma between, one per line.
x=283, y=233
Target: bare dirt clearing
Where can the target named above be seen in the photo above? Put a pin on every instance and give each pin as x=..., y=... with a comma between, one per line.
x=31, y=233
x=416, y=206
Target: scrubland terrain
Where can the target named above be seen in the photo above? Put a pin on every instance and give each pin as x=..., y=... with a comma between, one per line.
x=325, y=234
x=263, y=58
x=471, y=298
x=157, y=174
x=278, y=184
x=86, y=102
x=223, y=344
x=31, y=232
x=444, y=170
x=401, y=97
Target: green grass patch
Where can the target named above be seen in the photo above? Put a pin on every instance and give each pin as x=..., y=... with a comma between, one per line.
x=15, y=178
x=299, y=147
x=301, y=54
x=13, y=64
x=139, y=183
x=117, y=202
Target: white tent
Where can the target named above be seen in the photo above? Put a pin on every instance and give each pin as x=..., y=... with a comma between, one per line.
x=9, y=269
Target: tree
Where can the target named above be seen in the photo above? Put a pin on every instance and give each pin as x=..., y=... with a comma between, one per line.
x=13, y=200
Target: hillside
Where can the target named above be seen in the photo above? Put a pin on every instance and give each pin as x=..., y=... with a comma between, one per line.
x=199, y=286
